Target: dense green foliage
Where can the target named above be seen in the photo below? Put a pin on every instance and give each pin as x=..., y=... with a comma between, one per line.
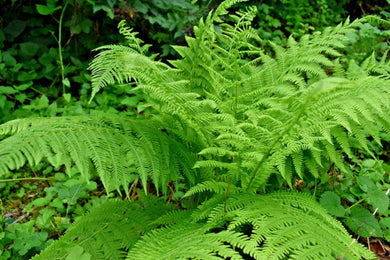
x=217, y=126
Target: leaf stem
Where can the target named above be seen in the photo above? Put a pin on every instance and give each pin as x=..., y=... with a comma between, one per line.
x=60, y=47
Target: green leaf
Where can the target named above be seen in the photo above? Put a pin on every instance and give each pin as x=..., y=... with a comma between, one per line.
x=362, y=221
x=25, y=238
x=91, y=186
x=86, y=25
x=365, y=183
x=23, y=86
x=130, y=101
x=29, y=48
x=26, y=76
x=378, y=199
x=66, y=82
x=77, y=252
x=67, y=97
x=76, y=29
x=43, y=220
x=8, y=59
x=15, y=28
x=108, y=10
x=385, y=225
x=58, y=204
x=43, y=9
x=369, y=163
x=21, y=97
x=40, y=202
x=386, y=167
x=46, y=10
x=38, y=103
x=7, y=90
x=331, y=202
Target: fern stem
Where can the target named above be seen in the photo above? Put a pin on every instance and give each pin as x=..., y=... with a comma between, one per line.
x=271, y=147
x=96, y=232
x=236, y=90
x=226, y=195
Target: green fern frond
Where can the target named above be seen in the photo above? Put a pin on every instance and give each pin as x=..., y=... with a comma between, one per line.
x=376, y=20
x=212, y=186
x=131, y=36
x=185, y=241
x=274, y=226
x=288, y=225
x=108, y=230
x=114, y=145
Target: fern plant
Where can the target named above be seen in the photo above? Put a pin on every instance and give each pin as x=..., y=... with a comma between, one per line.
x=229, y=120
x=280, y=225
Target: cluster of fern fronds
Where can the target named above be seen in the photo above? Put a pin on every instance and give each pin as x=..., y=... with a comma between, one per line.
x=229, y=119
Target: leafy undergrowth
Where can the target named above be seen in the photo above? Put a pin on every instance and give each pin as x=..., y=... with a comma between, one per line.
x=37, y=210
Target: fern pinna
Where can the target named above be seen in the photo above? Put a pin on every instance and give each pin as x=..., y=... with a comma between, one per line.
x=229, y=119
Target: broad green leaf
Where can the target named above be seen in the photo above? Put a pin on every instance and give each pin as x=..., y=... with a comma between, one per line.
x=40, y=202
x=26, y=76
x=365, y=183
x=43, y=9
x=46, y=10
x=8, y=59
x=369, y=163
x=43, y=220
x=76, y=29
x=130, y=101
x=7, y=90
x=77, y=252
x=86, y=25
x=15, y=28
x=378, y=199
x=21, y=97
x=29, y=48
x=331, y=202
x=362, y=221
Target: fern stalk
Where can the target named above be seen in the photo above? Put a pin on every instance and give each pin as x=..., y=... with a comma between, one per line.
x=276, y=140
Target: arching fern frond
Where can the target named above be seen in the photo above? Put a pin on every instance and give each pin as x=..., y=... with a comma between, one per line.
x=107, y=231
x=284, y=225
x=186, y=241
x=116, y=146
x=287, y=225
